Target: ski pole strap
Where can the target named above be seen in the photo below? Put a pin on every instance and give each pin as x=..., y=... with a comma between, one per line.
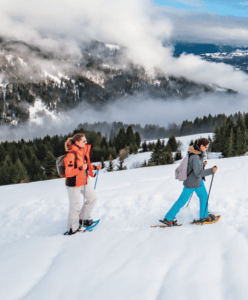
x=96, y=179
x=208, y=195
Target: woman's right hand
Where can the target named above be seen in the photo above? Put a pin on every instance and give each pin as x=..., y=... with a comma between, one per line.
x=83, y=167
x=214, y=169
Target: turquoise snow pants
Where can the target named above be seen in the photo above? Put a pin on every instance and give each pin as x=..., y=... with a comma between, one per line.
x=202, y=194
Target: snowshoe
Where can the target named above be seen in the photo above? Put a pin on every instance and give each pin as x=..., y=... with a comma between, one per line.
x=167, y=223
x=70, y=232
x=90, y=228
x=210, y=219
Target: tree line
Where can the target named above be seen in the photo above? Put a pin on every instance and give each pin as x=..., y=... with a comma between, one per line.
x=27, y=161
x=231, y=138
x=34, y=160
x=152, y=132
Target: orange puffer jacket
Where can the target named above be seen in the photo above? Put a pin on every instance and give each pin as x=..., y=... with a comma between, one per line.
x=74, y=173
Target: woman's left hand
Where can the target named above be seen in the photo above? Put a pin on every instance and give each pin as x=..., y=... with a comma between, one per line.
x=99, y=167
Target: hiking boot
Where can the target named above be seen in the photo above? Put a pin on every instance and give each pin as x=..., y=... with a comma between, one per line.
x=70, y=232
x=88, y=222
x=209, y=218
x=169, y=223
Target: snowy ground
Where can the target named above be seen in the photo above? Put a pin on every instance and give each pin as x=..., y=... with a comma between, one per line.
x=123, y=258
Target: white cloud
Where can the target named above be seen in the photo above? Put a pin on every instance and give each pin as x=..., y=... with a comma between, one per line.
x=136, y=24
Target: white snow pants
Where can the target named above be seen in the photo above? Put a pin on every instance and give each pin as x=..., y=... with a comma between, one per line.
x=75, y=211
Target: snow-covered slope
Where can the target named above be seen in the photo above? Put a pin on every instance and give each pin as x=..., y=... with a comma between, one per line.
x=123, y=258
x=135, y=161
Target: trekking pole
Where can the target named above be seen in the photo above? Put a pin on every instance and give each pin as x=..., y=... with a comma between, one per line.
x=96, y=179
x=190, y=199
x=85, y=172
x=208, y=196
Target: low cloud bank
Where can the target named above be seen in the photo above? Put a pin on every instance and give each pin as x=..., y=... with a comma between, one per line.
x=134, y=110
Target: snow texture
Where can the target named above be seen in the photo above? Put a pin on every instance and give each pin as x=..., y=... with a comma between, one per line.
x=123, y=258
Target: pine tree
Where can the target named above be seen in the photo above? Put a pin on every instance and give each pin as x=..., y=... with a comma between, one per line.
x=216, y=145
x=246, y=120
x=8, y=167
x=160, y=156
x=113, y=152
x=111, y=164
x=173, y=143
x=135, y=148
x=13, y=153
x=137, y=139
x=144, y=147
x=120, y=167
x=104, y=143
x=34, y=169
x=168, y=158
x=49, y=165
x=97, y=153
x=151, y=146
x=131, y=149
x=14, y=173
x=120, y=140
x=130, y=136
x=3, y=175
x=239, y=145
x=229, y=150
x=240, y=136
x=168, y=148
x=102, y=162
x=23, y=154
x=42, y=152
x=2, y=153
x=24, y=178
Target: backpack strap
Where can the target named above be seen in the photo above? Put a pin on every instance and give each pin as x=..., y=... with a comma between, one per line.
x=189, y=173
x=76, y=158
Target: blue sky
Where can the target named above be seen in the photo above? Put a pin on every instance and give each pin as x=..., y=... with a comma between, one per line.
x=237, y=8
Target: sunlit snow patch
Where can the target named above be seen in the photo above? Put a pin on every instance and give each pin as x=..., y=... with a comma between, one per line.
x=113, y=47
x=38, y=111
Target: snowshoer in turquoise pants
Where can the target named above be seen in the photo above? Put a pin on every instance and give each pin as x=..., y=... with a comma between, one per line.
x=202, y=194
x=193, y=183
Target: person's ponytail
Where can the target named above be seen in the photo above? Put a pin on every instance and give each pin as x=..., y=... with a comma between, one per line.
x=68, y=144
x=71, y=141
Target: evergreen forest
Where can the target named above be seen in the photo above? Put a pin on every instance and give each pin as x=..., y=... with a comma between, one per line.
x=22, y=161
x=34, y=160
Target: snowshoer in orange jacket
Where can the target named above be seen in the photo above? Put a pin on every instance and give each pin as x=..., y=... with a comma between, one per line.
x=78, y=169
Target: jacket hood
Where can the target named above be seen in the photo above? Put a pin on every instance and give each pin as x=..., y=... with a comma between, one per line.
x=193, y=151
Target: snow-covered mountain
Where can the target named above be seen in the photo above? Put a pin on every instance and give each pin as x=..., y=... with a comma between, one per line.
x=237, y=58
x=123, y=258
x=33, y=82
